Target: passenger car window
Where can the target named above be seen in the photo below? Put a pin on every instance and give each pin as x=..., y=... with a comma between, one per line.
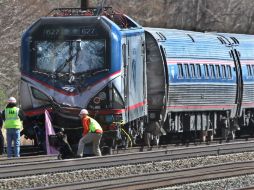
x=187, y=70
x=198, y=68
x=193, y=72
x=249, y=70
x=180, y=70
x=206, y=69
x=229, y=71
x=218, y=75
x=212, y=71
x=223, y=71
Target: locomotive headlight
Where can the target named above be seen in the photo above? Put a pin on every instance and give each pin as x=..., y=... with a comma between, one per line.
x=107, y=98
x=102, y=95
x=97, y=100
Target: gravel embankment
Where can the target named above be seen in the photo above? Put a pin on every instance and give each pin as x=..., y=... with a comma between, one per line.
x=111, y=172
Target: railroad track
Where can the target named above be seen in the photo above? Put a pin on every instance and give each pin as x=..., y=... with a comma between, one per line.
x=29, y=153
x=163, y=179
x=178, y=145
x=28, y=157
x=53, y=166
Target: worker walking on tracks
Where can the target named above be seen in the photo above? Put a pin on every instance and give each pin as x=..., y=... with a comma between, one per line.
x=92, y=133
x=12, y=117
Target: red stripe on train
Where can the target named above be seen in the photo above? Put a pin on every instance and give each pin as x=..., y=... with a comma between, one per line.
x=201, y=106
x=65, y=92
x=40, y=111
x=191, y=61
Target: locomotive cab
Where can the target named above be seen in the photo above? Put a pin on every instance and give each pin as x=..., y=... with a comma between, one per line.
x=65, y=55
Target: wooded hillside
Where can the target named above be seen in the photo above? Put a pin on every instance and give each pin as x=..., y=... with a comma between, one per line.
x=200, y=15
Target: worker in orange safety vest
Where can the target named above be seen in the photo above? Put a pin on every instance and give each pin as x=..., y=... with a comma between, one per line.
x=92, y=133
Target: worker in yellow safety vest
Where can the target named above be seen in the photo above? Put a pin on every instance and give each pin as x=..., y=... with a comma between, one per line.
x=12, y=117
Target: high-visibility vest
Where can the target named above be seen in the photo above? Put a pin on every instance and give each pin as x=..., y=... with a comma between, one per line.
x=94, y=125
x=12, y=120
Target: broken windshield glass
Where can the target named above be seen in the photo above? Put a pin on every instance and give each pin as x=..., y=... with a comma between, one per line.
x=77, y=56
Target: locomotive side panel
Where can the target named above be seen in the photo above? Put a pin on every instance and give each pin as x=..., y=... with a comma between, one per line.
x=134, y=69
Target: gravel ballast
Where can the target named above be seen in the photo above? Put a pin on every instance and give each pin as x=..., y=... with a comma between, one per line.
x=111, y=172
x=220, y=184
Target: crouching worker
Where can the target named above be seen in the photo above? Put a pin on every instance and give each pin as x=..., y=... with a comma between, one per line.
x=92, y=133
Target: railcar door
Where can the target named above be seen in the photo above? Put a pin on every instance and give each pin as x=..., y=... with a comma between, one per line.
x=232, y=43
x=239, y=80
x=134, y=80
x=125, y=84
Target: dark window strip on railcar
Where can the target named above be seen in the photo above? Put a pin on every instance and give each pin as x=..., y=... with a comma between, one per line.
x=186, y=71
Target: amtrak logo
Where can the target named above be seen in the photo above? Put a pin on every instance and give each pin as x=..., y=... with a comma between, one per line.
x=68, y=88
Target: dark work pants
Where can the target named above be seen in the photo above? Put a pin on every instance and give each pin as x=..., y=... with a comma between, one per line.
x=1, y=142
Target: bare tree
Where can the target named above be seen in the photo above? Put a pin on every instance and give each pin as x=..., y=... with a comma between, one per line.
x=200, y=15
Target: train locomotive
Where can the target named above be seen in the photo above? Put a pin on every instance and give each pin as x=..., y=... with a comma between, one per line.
x=139, y=83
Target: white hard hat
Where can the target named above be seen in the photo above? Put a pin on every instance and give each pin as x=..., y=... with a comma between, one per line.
x=12, y=100
x=83, y=112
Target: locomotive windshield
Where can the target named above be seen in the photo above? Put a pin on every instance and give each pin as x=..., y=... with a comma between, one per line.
x=75, y=56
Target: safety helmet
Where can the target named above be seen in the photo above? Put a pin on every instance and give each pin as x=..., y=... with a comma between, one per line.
x=12, y=100
x=83, y=112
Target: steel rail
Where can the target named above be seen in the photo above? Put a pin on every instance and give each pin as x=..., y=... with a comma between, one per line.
x=162, y=179
x=245, y=188
x=34, y=168
x=28, y=159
